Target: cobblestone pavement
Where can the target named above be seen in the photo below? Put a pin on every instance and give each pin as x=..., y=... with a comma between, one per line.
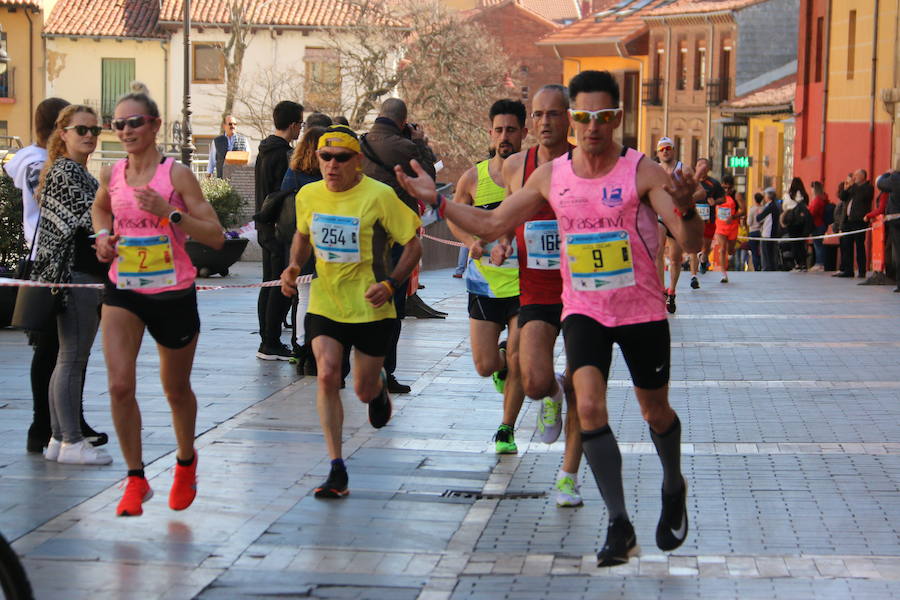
x=786, y=383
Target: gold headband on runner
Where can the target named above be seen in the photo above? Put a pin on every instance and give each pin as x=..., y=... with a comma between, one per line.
x=339, y=136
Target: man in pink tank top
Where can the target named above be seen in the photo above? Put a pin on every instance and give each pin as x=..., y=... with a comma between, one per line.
x=606, y=198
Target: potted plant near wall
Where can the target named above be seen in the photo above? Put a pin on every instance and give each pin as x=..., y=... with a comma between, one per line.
x=12, y=244
x=226, y=201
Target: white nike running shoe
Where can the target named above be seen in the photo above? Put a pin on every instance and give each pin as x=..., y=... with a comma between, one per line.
x=549, y=422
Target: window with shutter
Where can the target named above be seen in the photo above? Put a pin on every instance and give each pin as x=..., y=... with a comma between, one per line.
x=117, y=75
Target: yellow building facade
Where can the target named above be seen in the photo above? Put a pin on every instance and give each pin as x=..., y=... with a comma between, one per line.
x=22, y=84
x=96, y=71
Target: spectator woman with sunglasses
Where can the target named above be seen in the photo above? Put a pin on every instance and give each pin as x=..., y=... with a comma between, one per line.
x=65, y=193
x=146, y=208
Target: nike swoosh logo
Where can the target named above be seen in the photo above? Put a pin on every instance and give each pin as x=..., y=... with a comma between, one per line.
x=659, y=368
x=681, y=531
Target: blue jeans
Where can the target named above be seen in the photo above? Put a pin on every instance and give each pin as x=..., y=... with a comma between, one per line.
x=462, y=260
x=819, y=245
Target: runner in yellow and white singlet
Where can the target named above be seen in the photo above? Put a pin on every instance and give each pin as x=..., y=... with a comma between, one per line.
x=494, y=290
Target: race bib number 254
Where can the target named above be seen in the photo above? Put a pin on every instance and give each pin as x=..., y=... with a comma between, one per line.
x=336, y=238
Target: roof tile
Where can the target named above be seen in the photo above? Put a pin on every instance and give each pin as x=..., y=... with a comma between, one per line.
x=777, y=94
x=103, y=18
x=690, y=7
x=552, y=10
x=313, y=13
x=621, y=24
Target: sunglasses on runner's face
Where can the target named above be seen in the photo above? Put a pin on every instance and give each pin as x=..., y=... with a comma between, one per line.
x=82, y=130
x=134, y=121
x=604, y=115
x=341, y=158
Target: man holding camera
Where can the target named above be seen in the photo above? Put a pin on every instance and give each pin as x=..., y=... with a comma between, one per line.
x=393, y=141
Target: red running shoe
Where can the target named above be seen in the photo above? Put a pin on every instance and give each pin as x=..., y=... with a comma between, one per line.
x=184, y=487
x=137, y=491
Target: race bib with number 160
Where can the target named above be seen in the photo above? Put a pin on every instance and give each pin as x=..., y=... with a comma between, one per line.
x=542, y=243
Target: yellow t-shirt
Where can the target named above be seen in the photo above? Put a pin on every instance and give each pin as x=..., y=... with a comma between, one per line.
x=351, y=233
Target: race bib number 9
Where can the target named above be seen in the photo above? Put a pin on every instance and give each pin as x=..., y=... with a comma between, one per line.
x=703, y=211
x=512, y=262
x=336, y=238
x=145, y=262
x=723, y=213
x=600, y=261
x=542, y=244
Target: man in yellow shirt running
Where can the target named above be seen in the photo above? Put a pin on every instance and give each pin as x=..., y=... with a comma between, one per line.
x=350, y=221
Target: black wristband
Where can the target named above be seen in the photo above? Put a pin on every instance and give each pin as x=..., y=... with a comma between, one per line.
x=393, y=283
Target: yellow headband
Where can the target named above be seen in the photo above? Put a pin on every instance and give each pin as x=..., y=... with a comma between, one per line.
x=338, y=139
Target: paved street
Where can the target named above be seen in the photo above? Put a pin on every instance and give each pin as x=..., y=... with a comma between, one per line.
x=787, y=385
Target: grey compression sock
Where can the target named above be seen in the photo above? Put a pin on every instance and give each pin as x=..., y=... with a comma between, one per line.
x=602, y=453
x=668, y=447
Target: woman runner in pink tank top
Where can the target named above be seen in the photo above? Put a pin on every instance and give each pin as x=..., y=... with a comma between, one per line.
x=145, y=209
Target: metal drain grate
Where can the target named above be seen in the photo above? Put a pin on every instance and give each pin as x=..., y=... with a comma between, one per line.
x=478, y=495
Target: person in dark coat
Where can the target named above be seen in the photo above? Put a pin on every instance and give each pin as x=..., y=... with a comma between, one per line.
x=890, y=184
x=393, y=141
x=857, y=198
x=271, y=165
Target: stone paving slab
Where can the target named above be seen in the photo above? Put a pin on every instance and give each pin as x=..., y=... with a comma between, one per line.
x=791, y=449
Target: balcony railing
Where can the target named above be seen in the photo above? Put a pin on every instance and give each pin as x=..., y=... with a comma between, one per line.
x=653, y=92
x=717, y=91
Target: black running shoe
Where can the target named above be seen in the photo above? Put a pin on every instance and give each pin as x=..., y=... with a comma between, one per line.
x=335, y=486
x=670, y=303
x=672, y=529
x=621, y=544
x=94, y=438
x=395, y=387
x=695, y=283
x=380, y=406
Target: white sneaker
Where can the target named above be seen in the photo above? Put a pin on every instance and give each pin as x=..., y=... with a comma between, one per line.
x=51, y=452
x=567, y=493
x=82, y=453
x=549, y=423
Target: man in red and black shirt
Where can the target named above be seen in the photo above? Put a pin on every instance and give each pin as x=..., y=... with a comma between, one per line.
x=540, y=288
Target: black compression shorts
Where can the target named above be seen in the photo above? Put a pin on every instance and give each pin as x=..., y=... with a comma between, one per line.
x=171, y=317
x=645, y=346
x=496, y=310
x=548, y=313
x=372, y=338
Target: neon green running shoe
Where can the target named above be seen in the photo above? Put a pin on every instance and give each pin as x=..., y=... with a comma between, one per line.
x=499, y=377
x=567, y=493
x=505, y=441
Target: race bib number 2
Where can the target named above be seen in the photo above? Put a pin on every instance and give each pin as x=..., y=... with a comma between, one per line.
x=336, y=238
x=600, y=261
x=542, y=243
x=145, y=262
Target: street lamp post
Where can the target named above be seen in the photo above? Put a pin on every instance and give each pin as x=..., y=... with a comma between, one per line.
x=187, y=145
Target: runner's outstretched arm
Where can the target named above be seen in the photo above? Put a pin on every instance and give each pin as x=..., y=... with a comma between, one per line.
x=488, y=225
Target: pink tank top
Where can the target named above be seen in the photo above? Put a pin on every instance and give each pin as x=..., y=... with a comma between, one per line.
x=609, y=241
x=151, y=257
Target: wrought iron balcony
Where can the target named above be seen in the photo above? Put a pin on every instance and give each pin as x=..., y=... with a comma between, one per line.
x=653, y=92
x=717, y=91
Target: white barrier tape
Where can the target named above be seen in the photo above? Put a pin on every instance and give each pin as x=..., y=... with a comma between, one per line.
x=800, y=239
x=8, y=282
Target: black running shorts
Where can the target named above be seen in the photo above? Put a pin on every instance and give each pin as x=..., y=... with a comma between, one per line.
x=645, y=346
x=171, y=317
x=496, y=310
x=548, y=313
x=372, y=338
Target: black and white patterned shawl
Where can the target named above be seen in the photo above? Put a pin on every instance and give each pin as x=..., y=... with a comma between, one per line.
x=66, y=200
